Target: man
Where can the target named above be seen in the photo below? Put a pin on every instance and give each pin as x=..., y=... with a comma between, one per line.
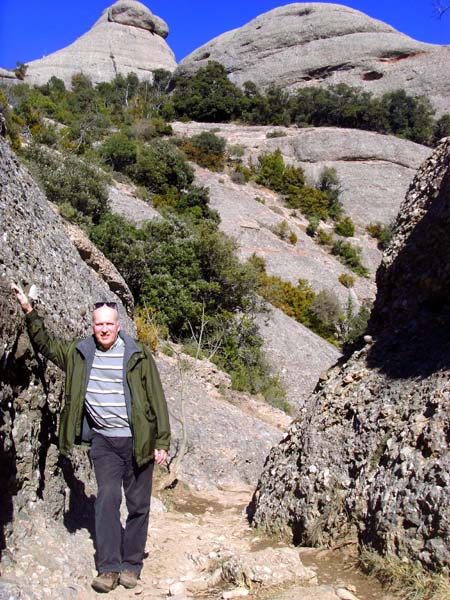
x=114, y=399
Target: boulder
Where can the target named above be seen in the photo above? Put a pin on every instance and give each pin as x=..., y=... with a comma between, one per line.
x=312, y=43
x=369, y=455
x=127, y=38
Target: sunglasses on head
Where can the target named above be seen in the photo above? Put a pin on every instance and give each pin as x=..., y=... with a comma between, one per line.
x=112, y=305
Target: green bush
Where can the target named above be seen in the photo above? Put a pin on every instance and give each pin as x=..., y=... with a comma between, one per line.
x=270, y=170
x=324, y=313
x=206, y=149
x=345, y=227
x=350, y=256
x=67, y=179
x=281, y=229
x=441, y=129
x=160, y=166
x=382, y=232
x=207, y=96
x=346, y=280
x=241, y=355
x=324, y=237
x=311, y=202
x=313, y=224
x=330, y=185
x=119, y=151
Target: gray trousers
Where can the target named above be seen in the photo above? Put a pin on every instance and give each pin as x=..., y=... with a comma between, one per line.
x=114, y=466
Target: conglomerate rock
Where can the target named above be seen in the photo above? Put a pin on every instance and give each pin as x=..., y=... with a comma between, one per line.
x=370, y=453
x=313, y=43
x=35, y=251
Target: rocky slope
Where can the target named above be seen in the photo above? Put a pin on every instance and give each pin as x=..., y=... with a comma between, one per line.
x=370, y=455
x=313, y=43
x=127, y=38
x=385, y=164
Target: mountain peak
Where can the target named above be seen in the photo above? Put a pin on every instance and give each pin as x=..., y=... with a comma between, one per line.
x=127, y=38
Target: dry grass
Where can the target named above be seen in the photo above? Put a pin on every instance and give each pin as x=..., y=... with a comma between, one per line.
x=409, y=579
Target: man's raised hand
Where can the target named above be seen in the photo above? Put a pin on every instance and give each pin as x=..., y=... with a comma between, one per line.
x=22, y=298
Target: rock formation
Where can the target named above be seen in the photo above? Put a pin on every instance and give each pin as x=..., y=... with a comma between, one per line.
x=385, y=163
x=127, y=38
x=369, y=456
x=39, y=490
x=35, y=250
x=310, y=44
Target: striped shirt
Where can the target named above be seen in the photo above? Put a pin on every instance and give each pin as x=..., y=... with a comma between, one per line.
x=105, y=397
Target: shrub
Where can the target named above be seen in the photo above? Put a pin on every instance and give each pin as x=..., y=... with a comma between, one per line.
x=271, y=170
x=71, y=180
x=242, y=357
x=275, y=133
x=148, y=330
x=354, y=324
x=441, y=129
x=311, y=202
x=324, y=237
x=123, y=244
x=207, y=96
x=160, y=165
x=293, y=238
x=382, y=232
x=324, y=312
x=330, y=185
x=345, y=227
x=281, y=229
x=45, y=134
x=346, y=280
x=313, y=224
x=238, y=177
x=119, y=151
x=350, y=256
x=206, y=149
x=236, y=151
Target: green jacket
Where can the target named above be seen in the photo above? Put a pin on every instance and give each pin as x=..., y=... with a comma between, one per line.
x=144, y=396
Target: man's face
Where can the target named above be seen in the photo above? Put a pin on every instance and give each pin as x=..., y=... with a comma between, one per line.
x=106, y=326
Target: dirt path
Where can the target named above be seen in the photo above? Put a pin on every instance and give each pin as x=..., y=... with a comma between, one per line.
x=204, y=538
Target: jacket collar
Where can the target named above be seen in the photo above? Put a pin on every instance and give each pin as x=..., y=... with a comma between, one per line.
x=87, y=346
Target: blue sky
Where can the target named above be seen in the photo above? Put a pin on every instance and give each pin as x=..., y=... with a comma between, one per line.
x=32, y=29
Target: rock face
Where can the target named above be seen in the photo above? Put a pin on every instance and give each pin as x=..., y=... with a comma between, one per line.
x=385, y=163
x=370, y=455
x=127, y=38
x=249, y=212
x=43, y=497
x=309, y=44
x=35, y=250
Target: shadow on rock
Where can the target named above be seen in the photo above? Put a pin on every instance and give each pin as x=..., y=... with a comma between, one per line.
x=410, y=321
x=79, y=513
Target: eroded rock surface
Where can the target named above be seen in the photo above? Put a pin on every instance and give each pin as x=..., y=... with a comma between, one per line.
x=313, y=43
x=127, y=38
x=370, y=454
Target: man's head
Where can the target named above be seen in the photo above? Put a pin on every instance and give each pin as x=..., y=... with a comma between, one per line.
x=105, y=324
